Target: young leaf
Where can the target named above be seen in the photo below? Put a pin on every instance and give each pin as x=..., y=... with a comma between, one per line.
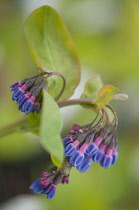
x=92, y=87
x=50, y=126
x=51, y=47
x=105, y=95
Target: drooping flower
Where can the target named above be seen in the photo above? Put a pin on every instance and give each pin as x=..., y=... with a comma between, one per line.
x=28, y=94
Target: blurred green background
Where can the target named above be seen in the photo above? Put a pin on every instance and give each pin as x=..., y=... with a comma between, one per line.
x=106, y=35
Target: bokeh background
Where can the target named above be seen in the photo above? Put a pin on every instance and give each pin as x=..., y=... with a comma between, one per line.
x=106, y=35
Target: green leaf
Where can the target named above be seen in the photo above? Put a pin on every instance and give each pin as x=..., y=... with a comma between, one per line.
x=51, y=47
x=92, y=87
x=50, y=127
x=105, y=95
x=34, y=122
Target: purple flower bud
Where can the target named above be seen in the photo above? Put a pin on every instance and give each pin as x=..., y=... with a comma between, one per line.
x=74, y=129
x=15, y=85
x=45, y=174
x=44, y=182
x=65, y=179
x=37, y=107
x=67, y=140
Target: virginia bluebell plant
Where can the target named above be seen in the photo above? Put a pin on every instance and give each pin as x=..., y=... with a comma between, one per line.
x=94, y=142
x=51, y=45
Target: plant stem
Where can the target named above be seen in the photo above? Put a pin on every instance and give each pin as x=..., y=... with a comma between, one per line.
x=80, y=101
x=115, y=115
x=12, y=127
x=51, y=73
x=66, y=167
x=64, y=83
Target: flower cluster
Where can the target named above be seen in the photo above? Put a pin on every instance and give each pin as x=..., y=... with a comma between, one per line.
x=82, y=146
x=28, y=95
x=86, y=144
x=49, y=181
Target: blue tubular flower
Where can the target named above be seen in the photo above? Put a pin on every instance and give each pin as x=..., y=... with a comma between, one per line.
x=51, y=194
x=108, y=158
x=106, y=161
x=36, y=186
x=85, y=164
x=100, y=154
x=28, y=105
x=67, y=140
x=114, y=155
x=94, y=147
x=71, y=148
x=91, y=150
x=49, y=188
x=76, y=158
x=22, y=100
x=19, y=92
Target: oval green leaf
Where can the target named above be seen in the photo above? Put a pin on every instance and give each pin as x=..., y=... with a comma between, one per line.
x=50, y=127
x=105, y=95
x=51, y=47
